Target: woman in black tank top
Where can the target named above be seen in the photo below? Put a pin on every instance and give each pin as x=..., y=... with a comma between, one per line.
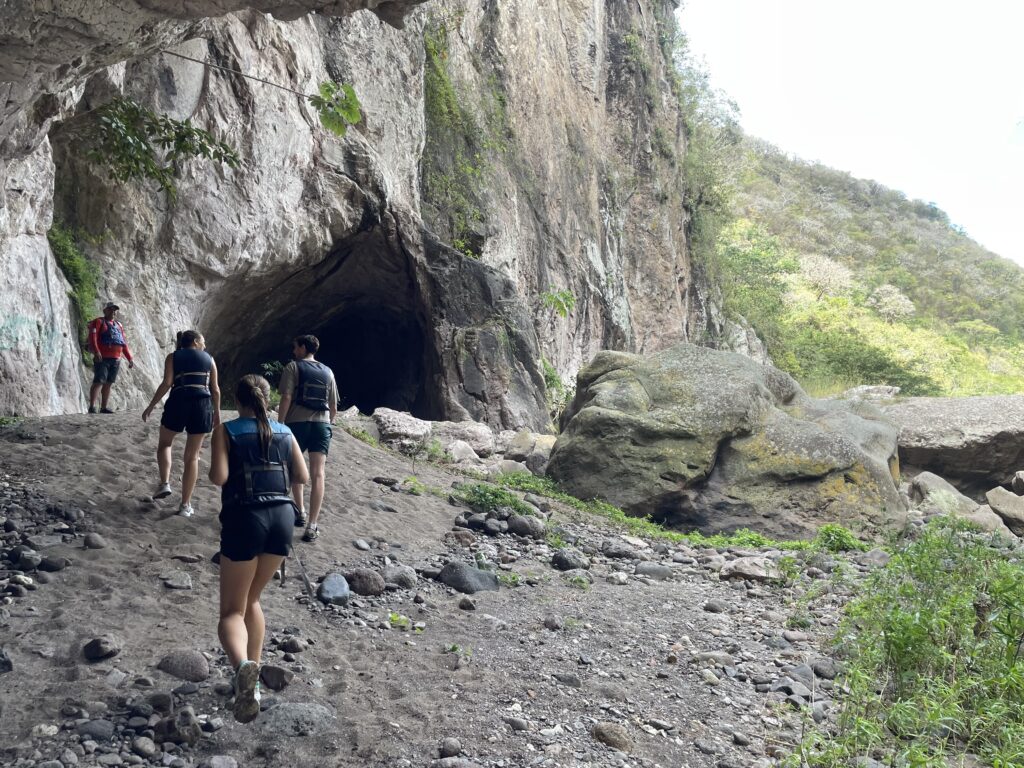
x=190, y=375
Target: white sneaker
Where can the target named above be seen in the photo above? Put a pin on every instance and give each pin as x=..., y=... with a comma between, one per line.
x=163, y=491
x=186, y=510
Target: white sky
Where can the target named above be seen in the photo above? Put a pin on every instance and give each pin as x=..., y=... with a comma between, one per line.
x=924, y=96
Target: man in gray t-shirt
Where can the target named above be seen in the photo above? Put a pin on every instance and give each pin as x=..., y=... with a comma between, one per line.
x=309, y=405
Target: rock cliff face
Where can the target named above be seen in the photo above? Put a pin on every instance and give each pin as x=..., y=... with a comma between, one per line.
x=512, y=156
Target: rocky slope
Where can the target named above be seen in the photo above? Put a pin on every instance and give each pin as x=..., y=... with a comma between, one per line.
x=540, y=139
x=704, y=669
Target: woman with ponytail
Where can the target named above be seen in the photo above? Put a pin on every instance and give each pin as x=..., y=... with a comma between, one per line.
x=193, y=407
x=255, y=461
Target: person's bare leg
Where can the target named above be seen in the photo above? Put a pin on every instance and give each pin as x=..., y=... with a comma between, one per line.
x=236, y=578
x=104, y=394
x=297, y=489
x=163, y=453
x=193, y=447
x=255, y=624
x=316, y=485
x=94, y=390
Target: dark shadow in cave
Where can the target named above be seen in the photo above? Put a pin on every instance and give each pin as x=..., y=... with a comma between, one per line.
x=360, y=302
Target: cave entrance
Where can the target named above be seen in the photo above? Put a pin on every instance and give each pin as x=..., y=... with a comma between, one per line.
x=360, y=302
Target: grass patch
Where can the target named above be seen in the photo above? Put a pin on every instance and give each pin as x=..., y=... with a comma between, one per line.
x=485, y=498
x=361, y=435
x=640, y=526
x=934, y=658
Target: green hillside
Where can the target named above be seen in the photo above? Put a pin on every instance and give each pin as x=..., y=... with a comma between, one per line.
x=852, y=283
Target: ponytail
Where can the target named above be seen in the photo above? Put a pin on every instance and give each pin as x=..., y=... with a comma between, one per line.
x=188, y=339
x=253, y=392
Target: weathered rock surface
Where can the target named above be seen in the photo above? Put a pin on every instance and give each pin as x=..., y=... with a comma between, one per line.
x=700, y=438
x=349, y=237
x=1010, y=508
x=973, y=442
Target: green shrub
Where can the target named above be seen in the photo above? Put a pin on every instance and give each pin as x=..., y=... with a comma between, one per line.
x=934, y=663
x=80, y=273
x=836, y=538
x=481, y=497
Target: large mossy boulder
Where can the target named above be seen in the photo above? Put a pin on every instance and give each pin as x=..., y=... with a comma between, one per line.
x=698, y=438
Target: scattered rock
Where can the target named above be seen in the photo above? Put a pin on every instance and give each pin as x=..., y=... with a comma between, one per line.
x=185, y=664
x=102, y=647
x=6, y=665
x=366, y=582
x=177, y=580
x=467, y=604
x=715, y=606
x=614, y=735
x=754, y=568
x=276, y=678
x=655, y=571
x=569, y=560
x=182, y=728
x=1009, y=506
x=450, y=747
x=467, y=579
x=527, y=525
x=144, y=747
x=95, y=541
x=402, y=575
x=334, y=590
x=97, y=730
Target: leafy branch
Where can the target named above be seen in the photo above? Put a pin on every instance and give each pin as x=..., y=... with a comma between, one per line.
x=136, y=143
x=131, y=137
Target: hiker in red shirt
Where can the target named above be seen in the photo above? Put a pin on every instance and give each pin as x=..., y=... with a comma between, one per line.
x=107, y=344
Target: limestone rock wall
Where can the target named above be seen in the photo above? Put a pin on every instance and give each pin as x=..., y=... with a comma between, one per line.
x=577, y=149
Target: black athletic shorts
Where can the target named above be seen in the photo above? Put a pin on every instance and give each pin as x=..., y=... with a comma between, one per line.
x=246, y=533
x=193, y=415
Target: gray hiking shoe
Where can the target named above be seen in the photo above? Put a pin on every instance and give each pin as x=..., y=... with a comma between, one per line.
x=162, y=491
x=247, y=692
x=186, y=510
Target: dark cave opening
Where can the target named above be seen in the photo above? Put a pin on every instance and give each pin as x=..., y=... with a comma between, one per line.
x=360, y=301
x=376, y=354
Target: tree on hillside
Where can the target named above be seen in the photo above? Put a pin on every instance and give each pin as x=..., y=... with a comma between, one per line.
x=825, y=276
x=889, y=302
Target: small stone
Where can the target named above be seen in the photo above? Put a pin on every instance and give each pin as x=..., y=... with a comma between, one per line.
x=825, y=669
x=655, y=571
x=177, y=580
x=102, y=647
x=52, y=563
x=467, y=579
x=715, y=606
x=618, y=578
x=144, y=747
x=569, y=679
x=402, y=575
x=6, y=665
x=97, y=730
x=450, y=747
x=334, y=590
x=361, y=545
x=186, y=664
x=569, y=559
x=219, y=761
x=517, y=723
x=274, y=677
x=366, y=582
x=614, y=735
x=293, y=644
x=552, y=622
x=527, y=526
x=467, y=604
x=95, y=541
